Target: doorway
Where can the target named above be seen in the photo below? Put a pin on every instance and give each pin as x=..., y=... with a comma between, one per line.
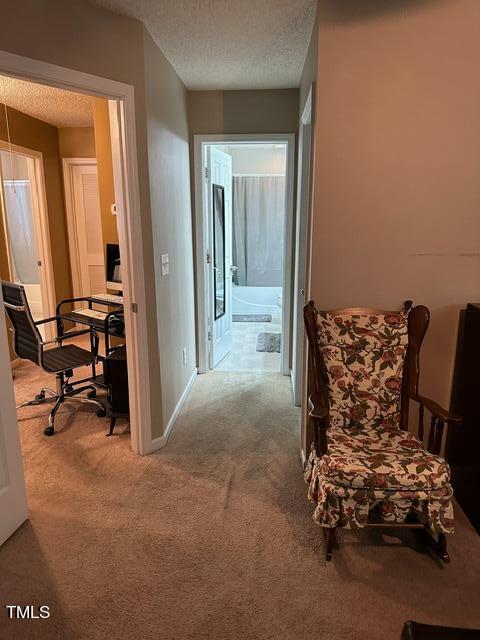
x=25, y=227
x=244, y=200
x=127, y=207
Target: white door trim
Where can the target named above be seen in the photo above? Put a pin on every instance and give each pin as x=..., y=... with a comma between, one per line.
x=42, y=230
x=124, y=152
x=68, y=164
x=202, y=283
x=13, y=499
x=302, y=249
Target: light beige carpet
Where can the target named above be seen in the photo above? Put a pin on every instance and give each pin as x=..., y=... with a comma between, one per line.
x=210, y=538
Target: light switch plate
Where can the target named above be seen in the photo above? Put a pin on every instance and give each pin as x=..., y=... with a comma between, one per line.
x=165, y=264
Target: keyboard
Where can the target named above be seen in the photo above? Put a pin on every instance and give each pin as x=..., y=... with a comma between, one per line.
x=91, y=313
x=109, y=298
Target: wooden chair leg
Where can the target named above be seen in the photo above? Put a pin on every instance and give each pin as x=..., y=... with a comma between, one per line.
x=329, y=535
x=439, y=546
x=112, y=426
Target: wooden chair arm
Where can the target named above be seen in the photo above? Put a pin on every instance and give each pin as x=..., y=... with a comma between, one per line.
x=437, y=411
x=319, y=414
x=318, y=409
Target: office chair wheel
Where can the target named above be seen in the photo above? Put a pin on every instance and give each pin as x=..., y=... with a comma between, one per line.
x=101, y=413
x=40, y=397
x=49, y=431
x=68, y=388
x=92, y=394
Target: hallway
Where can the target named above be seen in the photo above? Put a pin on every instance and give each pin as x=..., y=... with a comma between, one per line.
x=214, y=530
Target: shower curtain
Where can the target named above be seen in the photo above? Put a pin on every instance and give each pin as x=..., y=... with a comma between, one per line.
x=258, y=230
x=21, y=231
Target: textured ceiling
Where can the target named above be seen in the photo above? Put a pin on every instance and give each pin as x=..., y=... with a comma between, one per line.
x=228, y=44
x=55, y=106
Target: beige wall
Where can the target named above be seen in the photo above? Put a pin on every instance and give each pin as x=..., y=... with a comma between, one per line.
x=77, y=142
x=106, y=187
x=87, y=38
x=397, y=158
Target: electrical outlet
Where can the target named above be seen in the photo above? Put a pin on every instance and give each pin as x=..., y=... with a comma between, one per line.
x=184, y=355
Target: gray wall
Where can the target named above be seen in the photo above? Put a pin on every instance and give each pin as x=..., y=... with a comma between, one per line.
x=267, y=111
x=168, y=155
x=309, y=78
x=309, y=73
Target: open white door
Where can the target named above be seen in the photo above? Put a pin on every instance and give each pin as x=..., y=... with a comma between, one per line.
x=219, y=190
x=13, y=499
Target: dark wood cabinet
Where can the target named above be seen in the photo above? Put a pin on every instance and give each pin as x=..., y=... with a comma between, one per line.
x=463, y=442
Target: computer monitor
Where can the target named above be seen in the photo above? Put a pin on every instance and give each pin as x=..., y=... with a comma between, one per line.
x=112, y=267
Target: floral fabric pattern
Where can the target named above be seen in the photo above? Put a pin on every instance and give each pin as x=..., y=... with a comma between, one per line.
x=363, y=356
x=350, y=507
x=382, y=458
x=372, y=466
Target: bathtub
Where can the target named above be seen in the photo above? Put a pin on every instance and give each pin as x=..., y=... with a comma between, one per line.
x=257, y=300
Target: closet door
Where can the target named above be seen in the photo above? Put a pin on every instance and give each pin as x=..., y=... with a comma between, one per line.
x=88, y=229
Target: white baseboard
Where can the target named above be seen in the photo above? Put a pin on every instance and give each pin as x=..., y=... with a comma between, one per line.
x=161, y=441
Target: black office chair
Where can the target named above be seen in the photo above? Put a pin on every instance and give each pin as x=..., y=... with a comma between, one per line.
x=60, y=360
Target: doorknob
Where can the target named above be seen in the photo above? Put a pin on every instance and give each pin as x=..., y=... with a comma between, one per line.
x=233, y=268
x=302, y=292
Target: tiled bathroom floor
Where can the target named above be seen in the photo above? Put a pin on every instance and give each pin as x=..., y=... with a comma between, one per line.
x=243, y=356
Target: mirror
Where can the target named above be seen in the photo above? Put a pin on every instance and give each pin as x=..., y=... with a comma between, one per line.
x=219, y=250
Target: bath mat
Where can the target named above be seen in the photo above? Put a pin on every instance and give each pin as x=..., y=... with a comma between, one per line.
x=243, y=317
x=269, y=342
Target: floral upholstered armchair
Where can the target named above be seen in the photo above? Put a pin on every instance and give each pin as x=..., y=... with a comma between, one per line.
x=365, y=468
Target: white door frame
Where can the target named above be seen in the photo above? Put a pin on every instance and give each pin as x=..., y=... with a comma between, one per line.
x=129, y=216
x=42, y=230
x=302, y=249
x=68, y=164
x=202, y=280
